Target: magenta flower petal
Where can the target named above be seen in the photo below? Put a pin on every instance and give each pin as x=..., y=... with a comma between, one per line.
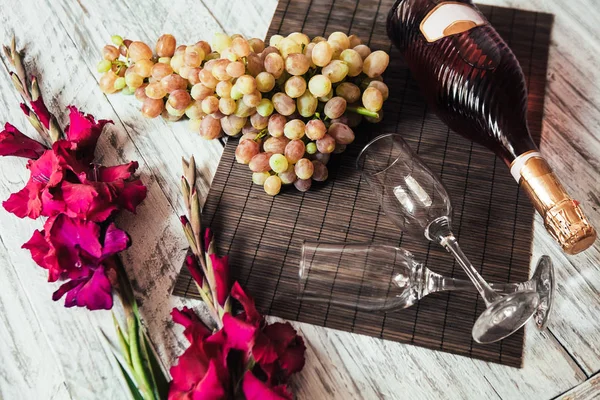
x=208, y=237
x=84, y=131
x=38, y=247
x=132, y=195
x=194, y=327
x=94, y=293
x=115, y=240
x=251, y=314
x=211, y=386
x=239, y=333
x=78, y=198
x=24, y=203
x=111, y=174
x=255, y=389
x=72, y=236
x=220, y=268
x=41, y=111
x=14, y=143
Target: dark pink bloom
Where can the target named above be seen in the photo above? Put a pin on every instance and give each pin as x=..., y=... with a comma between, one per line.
x=250, y=313
x=111, y=174
x=93, y=291
x=288, y=345
x=84, y=131
x=14, y=143
x=41, y=111
x=194, y=327
x=192, y=265
x=132, y=195
x=220, y=266
x=240, y=334
x=255, y=389
x=208, y=237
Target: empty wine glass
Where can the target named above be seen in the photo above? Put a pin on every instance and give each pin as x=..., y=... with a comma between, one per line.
x=417, y=202
x=377, y=277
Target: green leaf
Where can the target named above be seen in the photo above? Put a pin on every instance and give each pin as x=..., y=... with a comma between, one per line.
x=122, y=341
x=133, y=389
x=136, y=358
x=159, y=379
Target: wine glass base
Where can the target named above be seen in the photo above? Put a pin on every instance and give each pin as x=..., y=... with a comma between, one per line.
x=543, y=279
x=505, y=316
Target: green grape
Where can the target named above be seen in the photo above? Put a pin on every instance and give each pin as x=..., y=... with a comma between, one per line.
x=228, y=54
x=319, y=85
x=272, y=185
x=326, y=144
x=335, y=107
x=246, y=150
x=235, y=93
x=127, y=90
x=327, y=97
x=382, y=87
x=288, y=176
x=117, y=40
x=341, y=133
x=376, y=63
x=363, y=50
x=353, y=60
x=265, y=82
x=321, y=54
x=243, y=110
x=295, y=86
x=164, y=60
x=303, y=185
x=274, y=40
x=372, y=99
x=104, y=66
x=294, y=151
x=288, y=46
x=304, y=168
x=294, y=129
x=246, y=84
x=315, y=129
x=336, y=71
x=221, y=41
x=194, y=110
x=308, y=53
x=259, y=178
x=349, y=91
x=307, y=104
x=177, y=62
x=297, y=64
x=120, y=83
x=340, y=38
x=283, y=103
x=311, y=148
x=276, y=125
x=278, y=163
x=265, y=107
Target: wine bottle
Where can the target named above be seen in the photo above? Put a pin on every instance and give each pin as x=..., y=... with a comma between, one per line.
x=474, y=83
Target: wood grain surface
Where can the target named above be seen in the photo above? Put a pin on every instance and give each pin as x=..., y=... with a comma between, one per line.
x=49, y=352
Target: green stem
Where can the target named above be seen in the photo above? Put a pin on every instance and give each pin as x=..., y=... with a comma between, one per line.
x=136, y=357
x=363, y=111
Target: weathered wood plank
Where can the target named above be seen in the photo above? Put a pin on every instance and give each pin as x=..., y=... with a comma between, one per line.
x=588, y=390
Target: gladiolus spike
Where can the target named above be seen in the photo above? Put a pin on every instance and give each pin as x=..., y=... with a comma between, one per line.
x=185, y=191
x=190, y=174
x=35, y=89
x=195, y=215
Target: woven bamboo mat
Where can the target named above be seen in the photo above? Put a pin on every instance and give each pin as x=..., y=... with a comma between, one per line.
x=492, y=217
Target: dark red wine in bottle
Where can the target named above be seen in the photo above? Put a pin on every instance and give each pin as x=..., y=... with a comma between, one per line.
x=474, y=83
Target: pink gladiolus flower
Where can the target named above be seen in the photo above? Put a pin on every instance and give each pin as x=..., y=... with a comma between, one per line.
x=288, y=346
x=192, y=265
x=70, y=250
x=250, y=313
x=255, y=389
x=14, y=143
x=84, y=131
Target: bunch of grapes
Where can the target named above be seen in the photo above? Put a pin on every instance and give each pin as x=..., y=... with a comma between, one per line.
x=294, y=102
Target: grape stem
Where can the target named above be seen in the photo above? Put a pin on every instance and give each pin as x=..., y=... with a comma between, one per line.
x=363, y=111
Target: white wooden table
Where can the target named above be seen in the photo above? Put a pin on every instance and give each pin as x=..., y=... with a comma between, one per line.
x=49, y=352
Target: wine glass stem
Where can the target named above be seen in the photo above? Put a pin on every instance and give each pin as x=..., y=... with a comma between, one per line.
x=486, y=292
x=443, y=283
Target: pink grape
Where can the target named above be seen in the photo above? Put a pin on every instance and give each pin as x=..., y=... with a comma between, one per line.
x=260, y=162
x=246, y=150
x=335, y=107
x=232, y=124
x=288, y=176
x=276, y=144
x=210, y=128
x=110, y=52
x=152, y=107
x=303, y=185
x=173, y=82
x=272, y=185
x=342, y=134
x=165, y=45
x=315, y=129
x=326, y=144
x=320, y=172
x=258, y=121
x=294, y=151
x=276, y=125
x=139, y=51
x=304, y=168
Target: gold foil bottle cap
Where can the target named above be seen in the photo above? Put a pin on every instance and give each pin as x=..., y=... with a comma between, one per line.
x=569, y=226
x=563, y=217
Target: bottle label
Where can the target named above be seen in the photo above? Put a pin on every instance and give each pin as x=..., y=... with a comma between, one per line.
x=450, y=18
x=519, y=162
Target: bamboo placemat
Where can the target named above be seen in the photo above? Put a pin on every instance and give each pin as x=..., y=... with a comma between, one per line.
x=492, y=218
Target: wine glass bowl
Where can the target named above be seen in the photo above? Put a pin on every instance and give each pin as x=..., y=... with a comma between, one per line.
x=416, y=201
